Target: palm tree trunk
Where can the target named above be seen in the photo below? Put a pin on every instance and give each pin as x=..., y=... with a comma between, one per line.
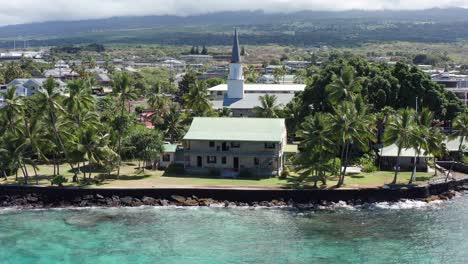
x=54, y=161
x=397, y=167
x=413, y=173
x=59, y=139
x=35, y=172
x=346, y=163
x=343, y=149
x=120, y=140
x=460, y=149
x=90, y=165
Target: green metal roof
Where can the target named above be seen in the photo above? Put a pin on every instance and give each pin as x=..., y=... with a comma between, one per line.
x=237, y=129
x=169, y=148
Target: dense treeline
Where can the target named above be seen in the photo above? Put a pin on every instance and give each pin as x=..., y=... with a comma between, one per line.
x=352, y=106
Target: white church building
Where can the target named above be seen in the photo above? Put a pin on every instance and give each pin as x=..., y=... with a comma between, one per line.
x=240, y=97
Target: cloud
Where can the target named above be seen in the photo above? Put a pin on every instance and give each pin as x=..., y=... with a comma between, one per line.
x=24, y=11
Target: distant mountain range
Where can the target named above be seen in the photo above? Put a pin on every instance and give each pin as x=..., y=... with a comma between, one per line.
x=256, y=23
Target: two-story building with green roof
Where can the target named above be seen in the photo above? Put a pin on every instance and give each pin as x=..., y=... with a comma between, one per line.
x=232, y=146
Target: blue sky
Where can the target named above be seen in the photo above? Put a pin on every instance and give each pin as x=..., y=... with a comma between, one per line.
x=23, y=11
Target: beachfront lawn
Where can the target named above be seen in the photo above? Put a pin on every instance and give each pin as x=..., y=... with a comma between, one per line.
x=132, y=177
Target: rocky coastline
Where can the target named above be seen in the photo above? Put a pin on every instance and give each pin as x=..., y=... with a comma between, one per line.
x=37, y=201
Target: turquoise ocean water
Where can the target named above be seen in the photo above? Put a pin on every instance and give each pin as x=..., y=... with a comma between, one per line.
x=408, y=232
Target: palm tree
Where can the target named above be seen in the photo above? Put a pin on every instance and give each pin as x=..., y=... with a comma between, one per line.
x=435, y=145
x=344, y=86
x=13, y=108
x=460, y=124
x=398, y=132
x=300, y=76
x=157, y=100
x=268, y=107
x=34, y=140
x=279, y=73
x=353, y=126
x=125, y=92
x=173, y=125
x=79, y=101
x=49, y=103
x=225, y=112
x=317, y=147
x=198, y=98
x=420, y=136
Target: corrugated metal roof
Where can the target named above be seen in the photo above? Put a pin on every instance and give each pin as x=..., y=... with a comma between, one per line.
x=453, y=145
x=237, y=129
x=392, y=151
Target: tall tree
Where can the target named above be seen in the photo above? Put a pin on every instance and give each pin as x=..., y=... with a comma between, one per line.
x=460, y=125
x=125, y=92
x=198, y=98
x=398, y=132
x=49, y=103
x=343, y=86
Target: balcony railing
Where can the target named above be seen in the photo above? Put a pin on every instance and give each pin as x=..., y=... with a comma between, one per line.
x=232, y=152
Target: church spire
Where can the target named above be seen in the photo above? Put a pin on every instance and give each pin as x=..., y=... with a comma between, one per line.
x=236, y=58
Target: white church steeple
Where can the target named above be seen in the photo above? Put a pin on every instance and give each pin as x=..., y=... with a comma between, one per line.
x=236, y=75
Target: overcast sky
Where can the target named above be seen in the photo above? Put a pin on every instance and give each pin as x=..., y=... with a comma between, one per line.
x=23, y=11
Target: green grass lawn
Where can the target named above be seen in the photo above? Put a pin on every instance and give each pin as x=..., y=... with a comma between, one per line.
x=132, y=177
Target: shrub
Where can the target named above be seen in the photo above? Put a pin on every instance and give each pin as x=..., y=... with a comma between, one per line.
x=367, y=163
x=59, y=180
x=175, y=169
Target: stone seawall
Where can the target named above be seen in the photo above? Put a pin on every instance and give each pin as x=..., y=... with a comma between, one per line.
x=15, y=195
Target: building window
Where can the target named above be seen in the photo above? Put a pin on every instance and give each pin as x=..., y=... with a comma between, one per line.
x=256, y=161
x=166, y=157
x=219, y=93
x=223, y=160
x=270, y=145
x=235, y=145
x=212, y=144
x=211, y=159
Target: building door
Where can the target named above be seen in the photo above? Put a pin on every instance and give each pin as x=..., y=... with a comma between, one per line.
x=199, y=161
x=236, y=163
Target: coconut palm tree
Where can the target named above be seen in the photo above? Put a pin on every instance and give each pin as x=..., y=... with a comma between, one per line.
x=268, y=107
x=173, y=125
x=157, y=100
x=300, y=76
x=317, y=146
x=225, y=112
x=49, y=103
x=12, y=110
x=460, y=125
x=420, y=136
x=79, y=101
x=343, y=86
x=125, y=92
x=398, y=132
x=354, y=127
x=198, y=98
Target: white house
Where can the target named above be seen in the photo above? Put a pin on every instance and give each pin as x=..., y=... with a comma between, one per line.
x=31, y=86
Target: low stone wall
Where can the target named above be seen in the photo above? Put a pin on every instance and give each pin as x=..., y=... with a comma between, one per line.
x=14, y=195
x=455, y=166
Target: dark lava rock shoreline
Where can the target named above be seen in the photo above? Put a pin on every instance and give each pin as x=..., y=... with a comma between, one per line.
x=33, y=200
